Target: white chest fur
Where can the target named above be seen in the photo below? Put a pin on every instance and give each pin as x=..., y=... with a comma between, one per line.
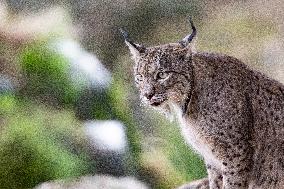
x=194, y=138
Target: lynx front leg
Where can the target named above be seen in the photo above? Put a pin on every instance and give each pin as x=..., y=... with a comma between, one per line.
x=235, y=181
x=199, y=184
x=215, y=177
x=237, y=167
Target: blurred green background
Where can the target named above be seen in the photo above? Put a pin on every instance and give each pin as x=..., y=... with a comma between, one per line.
x=68, y=105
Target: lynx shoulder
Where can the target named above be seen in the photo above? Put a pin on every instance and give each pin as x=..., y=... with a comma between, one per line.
x=231, y=115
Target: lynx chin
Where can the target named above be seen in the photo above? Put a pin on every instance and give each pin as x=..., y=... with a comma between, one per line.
x=231, y=115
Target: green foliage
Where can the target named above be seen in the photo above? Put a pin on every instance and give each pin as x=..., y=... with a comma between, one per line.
x=8, y=103
x=122, y=112
x=102, y=106
x=48, y=74
x=36, y=145
x=186, y=162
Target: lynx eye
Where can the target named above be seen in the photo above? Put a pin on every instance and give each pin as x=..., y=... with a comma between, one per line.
x=138, y=78
x=162, y=75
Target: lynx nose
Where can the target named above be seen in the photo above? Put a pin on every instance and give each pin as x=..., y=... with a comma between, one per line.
x=148, y=91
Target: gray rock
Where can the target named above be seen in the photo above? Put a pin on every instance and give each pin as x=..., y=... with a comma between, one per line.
x=107, y=135
x=108, y=146
x=6, y=84
x=95, y=182
x=86, y=69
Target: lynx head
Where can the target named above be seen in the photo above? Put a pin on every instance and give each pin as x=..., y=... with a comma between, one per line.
x=163, y=73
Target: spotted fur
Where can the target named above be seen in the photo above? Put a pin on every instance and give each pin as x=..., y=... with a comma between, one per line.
x=231, y=115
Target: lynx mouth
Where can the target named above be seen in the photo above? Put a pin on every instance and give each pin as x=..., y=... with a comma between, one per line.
x=156, y=102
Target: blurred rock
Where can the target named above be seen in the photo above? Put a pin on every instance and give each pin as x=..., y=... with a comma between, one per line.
x=86, y=69
x=95, y=182
x=6, y=85
x=108, y=146
x=107, y=135
x=90, y=76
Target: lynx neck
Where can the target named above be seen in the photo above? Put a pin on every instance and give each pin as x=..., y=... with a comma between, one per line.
x=192, y=135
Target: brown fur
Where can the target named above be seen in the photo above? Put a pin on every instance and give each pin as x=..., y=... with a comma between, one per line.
x=231, y=115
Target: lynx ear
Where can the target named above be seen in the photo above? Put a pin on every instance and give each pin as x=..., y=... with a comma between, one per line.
x=187, y=40
x=135, y=49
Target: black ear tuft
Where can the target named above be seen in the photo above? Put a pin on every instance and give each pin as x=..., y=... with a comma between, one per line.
x=129, y=42
x=190, y=37
x=124, y=34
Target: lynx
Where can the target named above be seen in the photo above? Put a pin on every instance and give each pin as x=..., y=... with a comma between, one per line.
x=230, y=114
